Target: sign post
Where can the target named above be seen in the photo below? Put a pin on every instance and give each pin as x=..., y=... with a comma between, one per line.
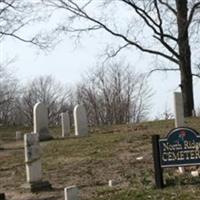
x=157, y=167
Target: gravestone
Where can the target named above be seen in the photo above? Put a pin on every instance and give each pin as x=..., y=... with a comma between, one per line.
x=178, y=109
x=18, y=135
x=112, y=183
x=80, y=121
x=40, y=121
x=65, y=124
x=179, y=115
x=71, y=193
x=33, y=164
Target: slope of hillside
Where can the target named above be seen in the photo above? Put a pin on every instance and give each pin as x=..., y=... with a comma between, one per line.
x=109, y=153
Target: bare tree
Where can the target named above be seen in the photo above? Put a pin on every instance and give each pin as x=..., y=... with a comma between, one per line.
x=9, y=89
x=163, y=28
x=16, y=16
x=49, y=91
x=114, y=94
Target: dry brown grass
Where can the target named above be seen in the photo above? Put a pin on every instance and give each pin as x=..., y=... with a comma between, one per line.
x=108, y=153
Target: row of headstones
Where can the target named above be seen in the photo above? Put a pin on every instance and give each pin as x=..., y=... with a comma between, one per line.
x=34, y=180
x=32, y=146
x=40, y=119
x=80, y=119
x=80, y=122
x=40, y=122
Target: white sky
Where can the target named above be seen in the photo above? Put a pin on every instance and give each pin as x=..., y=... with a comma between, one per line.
x=67, y=62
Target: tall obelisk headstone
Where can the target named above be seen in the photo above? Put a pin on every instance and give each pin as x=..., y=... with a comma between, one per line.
x=80, y=121
x=65, y=124
x=179, y=114
x=32, y=157
x=40, y=121
x=178, y=108
x=33, y=164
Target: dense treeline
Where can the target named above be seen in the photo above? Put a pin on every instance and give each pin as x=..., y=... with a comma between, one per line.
x=112, y=94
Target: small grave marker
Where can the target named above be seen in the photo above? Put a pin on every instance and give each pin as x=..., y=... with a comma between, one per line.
x=65, y=124
x=71, y=193
x=19, y=135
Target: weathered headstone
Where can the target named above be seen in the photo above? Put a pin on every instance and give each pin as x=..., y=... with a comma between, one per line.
x=33, y=164
x=71, y=193
x=179, y=115
x=65, y=124
x=112, y=183
x=40, y=121
x=19, y=135
x=178, y=108
x=80, y=121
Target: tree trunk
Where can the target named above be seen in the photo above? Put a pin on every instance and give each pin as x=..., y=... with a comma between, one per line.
x=185, y=58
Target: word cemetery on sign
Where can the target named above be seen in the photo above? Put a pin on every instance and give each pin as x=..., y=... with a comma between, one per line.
x=181, y=147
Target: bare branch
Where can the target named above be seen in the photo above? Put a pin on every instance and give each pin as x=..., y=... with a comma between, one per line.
x=169, y=7
x=163, y=69
x=114, y=53
x=194, y=8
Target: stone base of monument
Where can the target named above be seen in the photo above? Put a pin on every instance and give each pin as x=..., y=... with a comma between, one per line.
x=37, y=186
x=2, y=196
x=45, y=137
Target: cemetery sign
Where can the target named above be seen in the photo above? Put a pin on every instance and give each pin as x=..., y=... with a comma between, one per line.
x=181, y=147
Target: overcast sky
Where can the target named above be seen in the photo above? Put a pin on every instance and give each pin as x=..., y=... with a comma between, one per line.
x=67, y=63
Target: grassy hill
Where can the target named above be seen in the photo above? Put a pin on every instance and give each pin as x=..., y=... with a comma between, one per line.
x=90, y=162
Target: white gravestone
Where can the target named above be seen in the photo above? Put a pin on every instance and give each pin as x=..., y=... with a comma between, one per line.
x=71, y=193
x=32, y=157
x=178, y=107
x=179, y=116
x=65, y=124
x=33, y=164
x=80, y=121
x=40, y=121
